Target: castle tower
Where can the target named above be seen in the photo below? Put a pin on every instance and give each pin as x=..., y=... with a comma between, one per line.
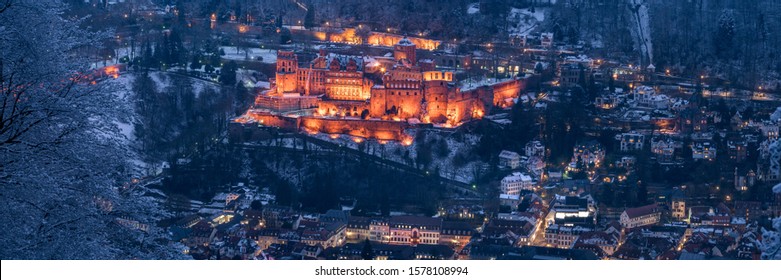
x=404, y=49
x=287, y=66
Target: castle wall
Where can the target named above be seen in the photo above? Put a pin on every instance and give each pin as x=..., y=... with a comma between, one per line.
x=271, y=120
x=287, y=66
x=375, y=129
x=505, y=90
x=464, y=106
x=345, y=85
x=285, y=103
x=342, y=108
x=347, y=35
x=436, y=100
x=286, y=82
x=406, y=101
x=316, y=80
x=377, y=102
x=258, y=128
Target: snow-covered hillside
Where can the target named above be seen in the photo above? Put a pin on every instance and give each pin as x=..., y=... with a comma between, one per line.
x=122, y=87
x=524, y=21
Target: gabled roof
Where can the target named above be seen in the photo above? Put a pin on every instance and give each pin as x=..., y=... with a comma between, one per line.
x=641, y=211
x=415, y=221
x=509, y=154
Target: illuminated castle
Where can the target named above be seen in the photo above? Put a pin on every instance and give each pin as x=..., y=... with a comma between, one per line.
x=406, y=89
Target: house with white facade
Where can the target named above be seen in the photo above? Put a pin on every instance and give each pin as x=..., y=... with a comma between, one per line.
x=509, y=159
x=640, y=216
x=513, y=184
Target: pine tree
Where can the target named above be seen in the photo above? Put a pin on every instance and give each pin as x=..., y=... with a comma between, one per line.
x=228, y=73
x=195, y=64
x=367, y=253
x=309, y=18
x=723, y=39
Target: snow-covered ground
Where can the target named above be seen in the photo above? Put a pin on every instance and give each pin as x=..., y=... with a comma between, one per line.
x=395, y=151
x=641, y=28
x=473, y=8
x=473, y=83
x=388, y=150
x=523, y=21
x=252, y=54
x=122, y=88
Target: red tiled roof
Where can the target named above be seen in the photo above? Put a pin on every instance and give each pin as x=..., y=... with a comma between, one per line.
x=641, y=211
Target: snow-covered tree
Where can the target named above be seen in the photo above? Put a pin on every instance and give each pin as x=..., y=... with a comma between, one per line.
x=725, y=33
x=61, y=152
x=771, y=239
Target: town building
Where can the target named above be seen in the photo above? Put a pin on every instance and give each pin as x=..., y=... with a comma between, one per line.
x=703, y=150
x=456, y=234
x=664, y=149
x=564, y=236
x=602, y=243
x=645, y=96
x=737, y=150
x=546, y=40
x=631, y=141
x=589, y=154
x=509, y=159
x=571, y=74
x=573, y=210
x=511, y=232
x=358, y=228
x=514, y=183
x=678, y=205
x=410, y=230
x=640, y=216
x=535, y=149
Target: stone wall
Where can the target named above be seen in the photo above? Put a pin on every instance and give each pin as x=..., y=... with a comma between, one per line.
x=341, y=108
x=258, y=125
x=347, y=35
x=374, y=129
x=505, y=90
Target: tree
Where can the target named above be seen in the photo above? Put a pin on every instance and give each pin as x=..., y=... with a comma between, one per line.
x=725, y=33
x=771, y=239
x=195, y=63
x=148, y=58
x=309, y=18
x=367, y=253
x=228, y=73
x=363, y=32
x=285, y=36
x=61, y=153
x=256, y=205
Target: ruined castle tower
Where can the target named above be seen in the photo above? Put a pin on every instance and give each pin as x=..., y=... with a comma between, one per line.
x=287, y=66
x=404, y=49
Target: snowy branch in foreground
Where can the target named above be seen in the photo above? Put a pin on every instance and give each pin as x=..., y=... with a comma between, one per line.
x=61, y=152
x=771, y=239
